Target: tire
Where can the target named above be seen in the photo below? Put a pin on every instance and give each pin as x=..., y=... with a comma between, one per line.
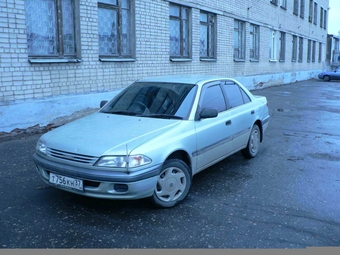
x=253, y=143
x=173, y=184
x=326, y=78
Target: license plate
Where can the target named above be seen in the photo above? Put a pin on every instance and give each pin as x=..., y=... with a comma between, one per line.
x=66, y=182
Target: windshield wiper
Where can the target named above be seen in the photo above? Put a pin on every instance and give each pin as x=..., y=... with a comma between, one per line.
x=161, y=116
x=122, y=113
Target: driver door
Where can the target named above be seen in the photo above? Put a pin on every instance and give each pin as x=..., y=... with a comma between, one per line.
x=214, y=140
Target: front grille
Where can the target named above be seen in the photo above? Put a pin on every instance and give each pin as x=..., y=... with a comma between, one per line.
x=79, y=158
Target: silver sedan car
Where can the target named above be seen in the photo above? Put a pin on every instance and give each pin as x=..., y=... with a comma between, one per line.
x=152, y=138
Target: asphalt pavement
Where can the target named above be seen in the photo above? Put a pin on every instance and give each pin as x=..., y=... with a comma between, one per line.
x=286, y=197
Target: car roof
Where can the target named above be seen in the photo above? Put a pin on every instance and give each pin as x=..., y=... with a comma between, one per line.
x=186, y=78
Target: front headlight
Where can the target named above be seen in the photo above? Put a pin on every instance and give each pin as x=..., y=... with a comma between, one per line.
x=123, y=161
x=41, y=147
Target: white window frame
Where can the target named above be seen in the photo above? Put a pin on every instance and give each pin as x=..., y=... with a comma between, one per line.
x=272, y=46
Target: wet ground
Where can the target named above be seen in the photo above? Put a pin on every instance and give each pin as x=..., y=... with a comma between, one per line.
x=286, y=197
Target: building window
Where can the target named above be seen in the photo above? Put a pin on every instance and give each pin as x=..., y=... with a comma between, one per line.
x=296, y=7
x=294, y=49
x=115, y=28
x=313, y=51
x=310, y=17
x=51, y=26
x=309, y=50
x=179, y=31
x=300, y=49
x=320, y=52
x=254, y=42
x=239, y=40
x=282, y=46
x=274, y=2
x=321, y=17
x=207, y=35
x=283, y=4
x=272, y=45
x=302, y=8
x=325, y=19
x=315, y=13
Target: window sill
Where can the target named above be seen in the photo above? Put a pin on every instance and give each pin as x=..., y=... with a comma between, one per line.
x=254, y=60
x=117, y=59
x=180, y=59
x=282, y=60
x=53, y=60
x=273, y=60
x=239, y=60
x=208, y=59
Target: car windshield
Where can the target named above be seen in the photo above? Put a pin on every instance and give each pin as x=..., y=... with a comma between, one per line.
x=154, y=99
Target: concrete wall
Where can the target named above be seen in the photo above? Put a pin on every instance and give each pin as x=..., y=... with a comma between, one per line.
x=37, y=93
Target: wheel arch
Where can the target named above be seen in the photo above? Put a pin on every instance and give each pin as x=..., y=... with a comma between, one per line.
x=182, y=155
x=259, y=124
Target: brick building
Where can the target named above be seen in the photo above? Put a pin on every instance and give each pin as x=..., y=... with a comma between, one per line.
x=59, y=56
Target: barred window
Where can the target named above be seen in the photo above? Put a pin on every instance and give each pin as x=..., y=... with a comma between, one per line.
x=207, y=35
x=313, y=51
x=179, y=31
x=302, y=8
x=282, y=46
x=315, y=13
x=300, y=49
x=320, y=52
x=254, y=42
x=296, y=7
x=310, y=17
x=51, y=26
x=309, y=51
x=294, y=49
x=283, y=4
x=115, y=27
x=239, y=39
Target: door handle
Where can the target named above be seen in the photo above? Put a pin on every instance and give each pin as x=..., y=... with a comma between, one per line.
x=228, y=123
x=252, y=112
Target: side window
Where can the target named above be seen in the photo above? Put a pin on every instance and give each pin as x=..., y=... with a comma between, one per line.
x=235, y=95
x=213, y=98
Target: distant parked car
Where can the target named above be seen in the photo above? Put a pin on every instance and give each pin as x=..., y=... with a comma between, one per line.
x=151, y=138
x=330, y=75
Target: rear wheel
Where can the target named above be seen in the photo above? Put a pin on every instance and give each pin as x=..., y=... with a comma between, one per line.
x=173, y=184
x=253, y=144
x=326, y=78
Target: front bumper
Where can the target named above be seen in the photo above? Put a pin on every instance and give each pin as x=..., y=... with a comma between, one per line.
x=102, y=183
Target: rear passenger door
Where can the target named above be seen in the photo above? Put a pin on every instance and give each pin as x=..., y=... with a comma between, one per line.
x=241, y=114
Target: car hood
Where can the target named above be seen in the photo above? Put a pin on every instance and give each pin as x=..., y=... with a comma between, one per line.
x=106, y=134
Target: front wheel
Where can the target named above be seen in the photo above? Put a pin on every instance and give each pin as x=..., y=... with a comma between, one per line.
x=253, y=144
x=173, y=184
x=326, y=78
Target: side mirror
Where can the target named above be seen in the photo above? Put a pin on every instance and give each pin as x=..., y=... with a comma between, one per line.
x=102, y=103
x=208, y=113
